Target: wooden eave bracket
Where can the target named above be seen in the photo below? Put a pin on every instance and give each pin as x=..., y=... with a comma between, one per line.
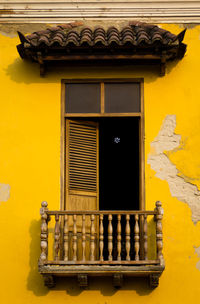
x=75, y=58
x=163, y=60
x=41, y=63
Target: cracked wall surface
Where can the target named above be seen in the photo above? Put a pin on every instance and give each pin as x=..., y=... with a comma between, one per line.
x=167, y=140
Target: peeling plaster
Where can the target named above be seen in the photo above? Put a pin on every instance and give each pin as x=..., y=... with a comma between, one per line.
x=197, y=251
x=4, y=192
x=167, y=140
x=10, y=30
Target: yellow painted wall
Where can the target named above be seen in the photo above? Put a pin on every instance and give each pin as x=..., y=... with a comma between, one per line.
x=30, y=164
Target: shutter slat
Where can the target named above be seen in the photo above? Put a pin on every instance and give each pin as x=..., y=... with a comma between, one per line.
x=83, y=142
x=82, y=168
x=84, y=132
x=80, y=161
x=75, y=172
x=82, y=156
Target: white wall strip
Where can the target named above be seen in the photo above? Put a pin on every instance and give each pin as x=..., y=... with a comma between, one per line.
x=61, y=11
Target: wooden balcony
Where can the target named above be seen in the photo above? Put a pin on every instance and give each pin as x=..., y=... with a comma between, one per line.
x=101, y=243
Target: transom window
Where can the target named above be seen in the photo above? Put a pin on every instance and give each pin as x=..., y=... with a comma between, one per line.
x=102, y=97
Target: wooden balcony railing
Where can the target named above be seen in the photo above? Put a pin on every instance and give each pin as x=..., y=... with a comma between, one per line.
x=85, y=240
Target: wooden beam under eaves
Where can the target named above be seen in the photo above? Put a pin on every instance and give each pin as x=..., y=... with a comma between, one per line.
x=136, y=59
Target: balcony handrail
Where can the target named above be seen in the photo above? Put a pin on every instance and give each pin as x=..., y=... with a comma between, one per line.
x=66, y=250
x=98, y=212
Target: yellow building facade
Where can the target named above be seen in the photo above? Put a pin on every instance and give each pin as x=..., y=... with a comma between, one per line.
x=30, y=128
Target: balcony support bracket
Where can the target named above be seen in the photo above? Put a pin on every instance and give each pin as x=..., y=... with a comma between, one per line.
x=49, y=281
x=117, y=280
x=154, y=280
x=83, y=280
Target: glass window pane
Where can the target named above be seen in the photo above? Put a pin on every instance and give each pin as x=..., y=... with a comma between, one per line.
x=122, y=97
x=82, y=98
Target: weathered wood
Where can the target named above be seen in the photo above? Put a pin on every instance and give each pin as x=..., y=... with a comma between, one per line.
x=97, y=212
x=102, y=269
x=101, y=238
x=74, y=239
x=154, y=280
x=137, y=238
x=119, y=237
x=57, y=238
x=49, y=280
x=44, y=232
x=117, y=280
x=97, y=262
x=83, y=237
x=102, y=57
x=145, y=238
x=78, y=255
x=102, y=98
x=159, y=235
x=92, y=238
x=163, y=64
x=110, y=237
x=66, y=239
x=83, y=280
x=137, y=114
x=41, y=63
x=127, y=231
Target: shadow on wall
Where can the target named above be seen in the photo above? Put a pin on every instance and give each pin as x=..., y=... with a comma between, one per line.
x=35, y=282
x=104, y=285
x=23, y=71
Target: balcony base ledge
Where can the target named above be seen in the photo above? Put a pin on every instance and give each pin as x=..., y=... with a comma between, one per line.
x=82, y=272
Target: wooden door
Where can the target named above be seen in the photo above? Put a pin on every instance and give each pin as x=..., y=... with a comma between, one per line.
x=82, y=174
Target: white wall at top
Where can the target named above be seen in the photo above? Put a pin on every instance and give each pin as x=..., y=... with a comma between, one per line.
x=187, y=11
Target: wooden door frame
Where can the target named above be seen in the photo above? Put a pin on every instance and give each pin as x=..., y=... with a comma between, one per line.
x=140, y=114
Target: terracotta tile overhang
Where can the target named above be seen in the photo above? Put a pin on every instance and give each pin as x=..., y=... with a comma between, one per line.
x=138, y=42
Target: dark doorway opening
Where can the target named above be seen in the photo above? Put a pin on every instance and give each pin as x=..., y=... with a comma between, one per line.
x=118, y=175
x=119, y=163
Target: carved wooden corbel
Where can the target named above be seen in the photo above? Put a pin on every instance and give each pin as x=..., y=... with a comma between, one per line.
x=49, y=280
x=83, y=280
x=118, y=280
x=163, y=64
x=154, y=280
x=41, y=63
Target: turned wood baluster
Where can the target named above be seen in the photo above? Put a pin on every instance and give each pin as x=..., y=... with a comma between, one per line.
x=145, y=237
x=44, y=232
x=137, y=238
x=66, y=238
x=57, y=238
x=83, y=236
x=110, y=237
x=119, y=237
x=128, y=245
x=101, y=244
x=74, y=246
x=159, y=235
x=92, y=238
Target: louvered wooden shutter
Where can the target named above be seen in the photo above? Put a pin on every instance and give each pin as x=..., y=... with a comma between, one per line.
x=81, y=164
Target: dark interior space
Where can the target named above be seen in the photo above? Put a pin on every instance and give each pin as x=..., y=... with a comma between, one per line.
x=118, y=175
x=119, y=163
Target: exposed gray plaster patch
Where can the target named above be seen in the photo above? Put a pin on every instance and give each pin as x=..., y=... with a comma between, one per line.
x=167, y=140
x=4, y=192
x=197, y=251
